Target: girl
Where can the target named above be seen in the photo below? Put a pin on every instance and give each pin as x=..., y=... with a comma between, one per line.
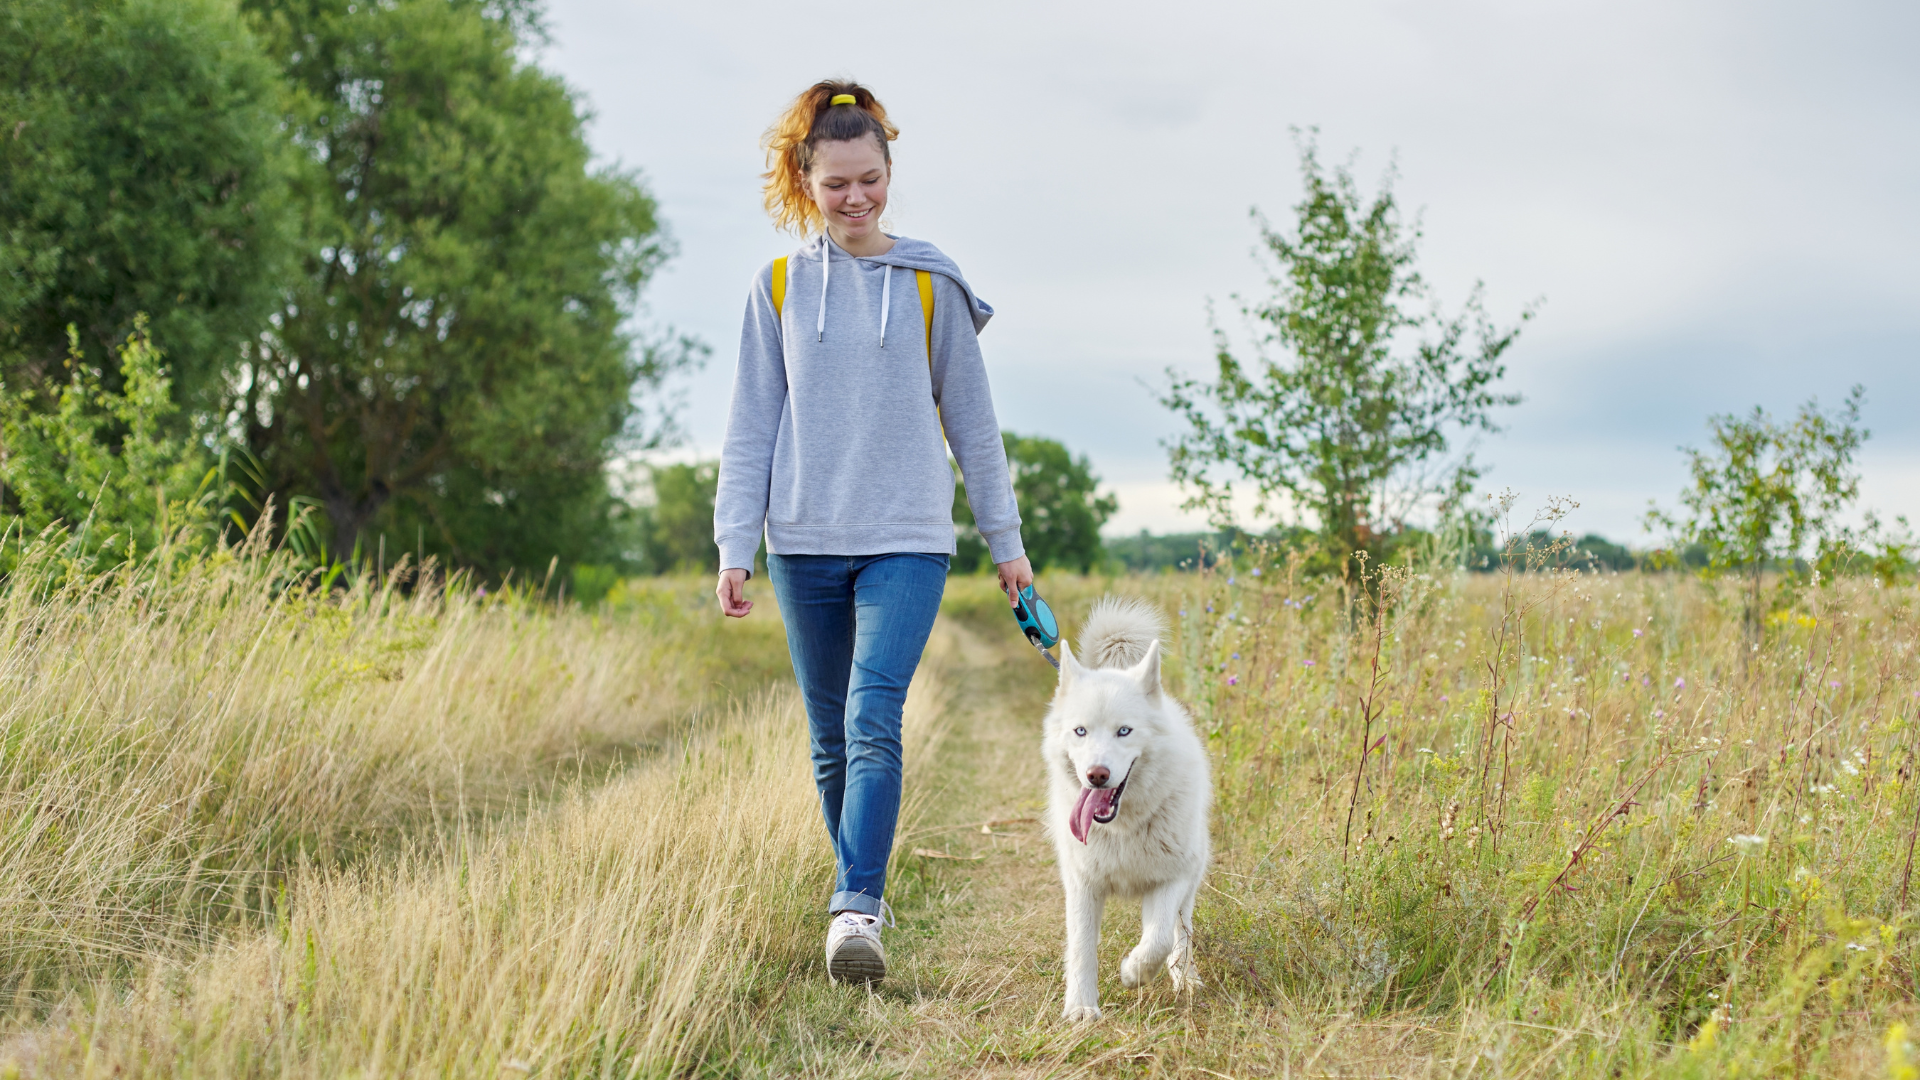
x=858, y=354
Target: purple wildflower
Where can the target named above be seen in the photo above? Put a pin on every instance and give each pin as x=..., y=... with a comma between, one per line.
x=1233, y=680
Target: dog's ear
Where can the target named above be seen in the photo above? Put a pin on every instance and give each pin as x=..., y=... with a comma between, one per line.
x=1069, y=667
x=1147, y=671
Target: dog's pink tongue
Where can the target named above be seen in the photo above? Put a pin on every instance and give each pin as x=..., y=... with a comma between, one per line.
x=1081, y=820
x=1101, y=804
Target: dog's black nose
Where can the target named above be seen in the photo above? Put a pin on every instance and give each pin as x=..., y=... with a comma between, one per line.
x=1097, y=776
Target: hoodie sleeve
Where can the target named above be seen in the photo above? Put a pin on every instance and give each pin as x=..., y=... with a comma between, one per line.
x=753, y=422
x=966, y=411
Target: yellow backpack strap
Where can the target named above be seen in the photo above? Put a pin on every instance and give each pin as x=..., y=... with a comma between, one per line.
x=925, y=281
x=779, y=285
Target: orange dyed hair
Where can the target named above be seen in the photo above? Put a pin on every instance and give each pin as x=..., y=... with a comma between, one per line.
x=813, y=119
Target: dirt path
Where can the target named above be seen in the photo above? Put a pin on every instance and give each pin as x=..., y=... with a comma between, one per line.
x=976, y=967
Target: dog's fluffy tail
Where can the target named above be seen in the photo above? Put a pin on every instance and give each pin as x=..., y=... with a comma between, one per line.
x=1117, y=632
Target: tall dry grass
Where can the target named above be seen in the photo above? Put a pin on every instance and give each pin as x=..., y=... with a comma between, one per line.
x=632, y=930
x=1577, y=821
x=176, y=738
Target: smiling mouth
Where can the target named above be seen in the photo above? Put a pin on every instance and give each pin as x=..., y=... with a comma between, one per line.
x=1096, y=806
x=856, y=216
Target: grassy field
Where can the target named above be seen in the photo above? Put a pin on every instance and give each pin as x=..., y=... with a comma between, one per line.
x=1496, y=826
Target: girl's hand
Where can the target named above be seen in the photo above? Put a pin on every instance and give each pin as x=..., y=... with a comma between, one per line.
x=732, y=592
x=1014, y=576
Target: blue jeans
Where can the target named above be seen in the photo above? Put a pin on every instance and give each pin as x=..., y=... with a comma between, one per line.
x=856, y=625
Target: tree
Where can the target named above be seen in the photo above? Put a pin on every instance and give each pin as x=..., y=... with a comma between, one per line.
x=1060, y=510
x=1345, y=411
x=451, y=367
x=1768, y=494
x=141, y=173
x=676, y=527
x=104, y=464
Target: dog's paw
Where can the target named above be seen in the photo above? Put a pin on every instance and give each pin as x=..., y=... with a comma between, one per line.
x=1135, y=972
x=1081, y=1014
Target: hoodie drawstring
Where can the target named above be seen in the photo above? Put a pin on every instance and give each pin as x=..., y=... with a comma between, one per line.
x=886, y=294
x=826, y=263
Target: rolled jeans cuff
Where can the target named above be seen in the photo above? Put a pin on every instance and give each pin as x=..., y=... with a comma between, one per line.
x=854, y=901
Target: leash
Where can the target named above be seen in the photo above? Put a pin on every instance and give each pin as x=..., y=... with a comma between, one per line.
x=1037, y=622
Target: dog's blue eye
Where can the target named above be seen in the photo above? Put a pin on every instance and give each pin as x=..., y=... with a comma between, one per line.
x=1080, y=731
x=1125, y=731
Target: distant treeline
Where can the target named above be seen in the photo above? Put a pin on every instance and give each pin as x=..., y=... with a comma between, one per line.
x=1147, y=552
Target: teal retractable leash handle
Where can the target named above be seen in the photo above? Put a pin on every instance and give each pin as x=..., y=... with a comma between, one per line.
x=1037, y=622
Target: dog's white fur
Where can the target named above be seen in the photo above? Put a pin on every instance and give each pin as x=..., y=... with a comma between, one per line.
x=1156, y=847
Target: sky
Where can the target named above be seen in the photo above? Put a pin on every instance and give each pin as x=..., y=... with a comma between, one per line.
x=1715, y=206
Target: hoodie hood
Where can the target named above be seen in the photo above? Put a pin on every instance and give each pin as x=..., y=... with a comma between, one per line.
x=907, y=253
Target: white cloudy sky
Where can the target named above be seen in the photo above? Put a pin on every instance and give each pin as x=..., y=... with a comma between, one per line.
x=1718, y=202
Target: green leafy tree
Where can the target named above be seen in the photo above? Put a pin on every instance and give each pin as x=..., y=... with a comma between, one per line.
x=141, y=172
x=451, y=367
x=1344, y=414
x=1061, y=510
x=1769, y=494
x=676, y=526
x=105, y=464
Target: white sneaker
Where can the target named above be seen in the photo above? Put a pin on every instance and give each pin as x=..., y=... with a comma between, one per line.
x=853, y=948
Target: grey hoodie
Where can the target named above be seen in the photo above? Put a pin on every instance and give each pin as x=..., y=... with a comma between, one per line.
x=833, y=439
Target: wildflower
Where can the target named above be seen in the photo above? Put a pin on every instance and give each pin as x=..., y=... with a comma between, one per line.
x=1748, y=843
x=1209, y=609
x=1443, y=698
x=1309, y=663
x=1256, y=571
x=1679, y=684
x=1236, y=656
x=1834, y=683
x=1183, y=613
x=1636, y=631
x=1230, y=581
x=1658, y=715
x=1233, y=680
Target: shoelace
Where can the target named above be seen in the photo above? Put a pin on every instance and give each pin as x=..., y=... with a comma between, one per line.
x=862, y=919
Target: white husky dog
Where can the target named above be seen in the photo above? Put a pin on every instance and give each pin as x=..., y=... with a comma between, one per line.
x=1128, y=797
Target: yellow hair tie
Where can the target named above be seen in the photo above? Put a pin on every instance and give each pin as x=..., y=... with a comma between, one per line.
x=844, y=99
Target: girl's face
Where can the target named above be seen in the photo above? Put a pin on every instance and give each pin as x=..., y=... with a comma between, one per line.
x=849, y=185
